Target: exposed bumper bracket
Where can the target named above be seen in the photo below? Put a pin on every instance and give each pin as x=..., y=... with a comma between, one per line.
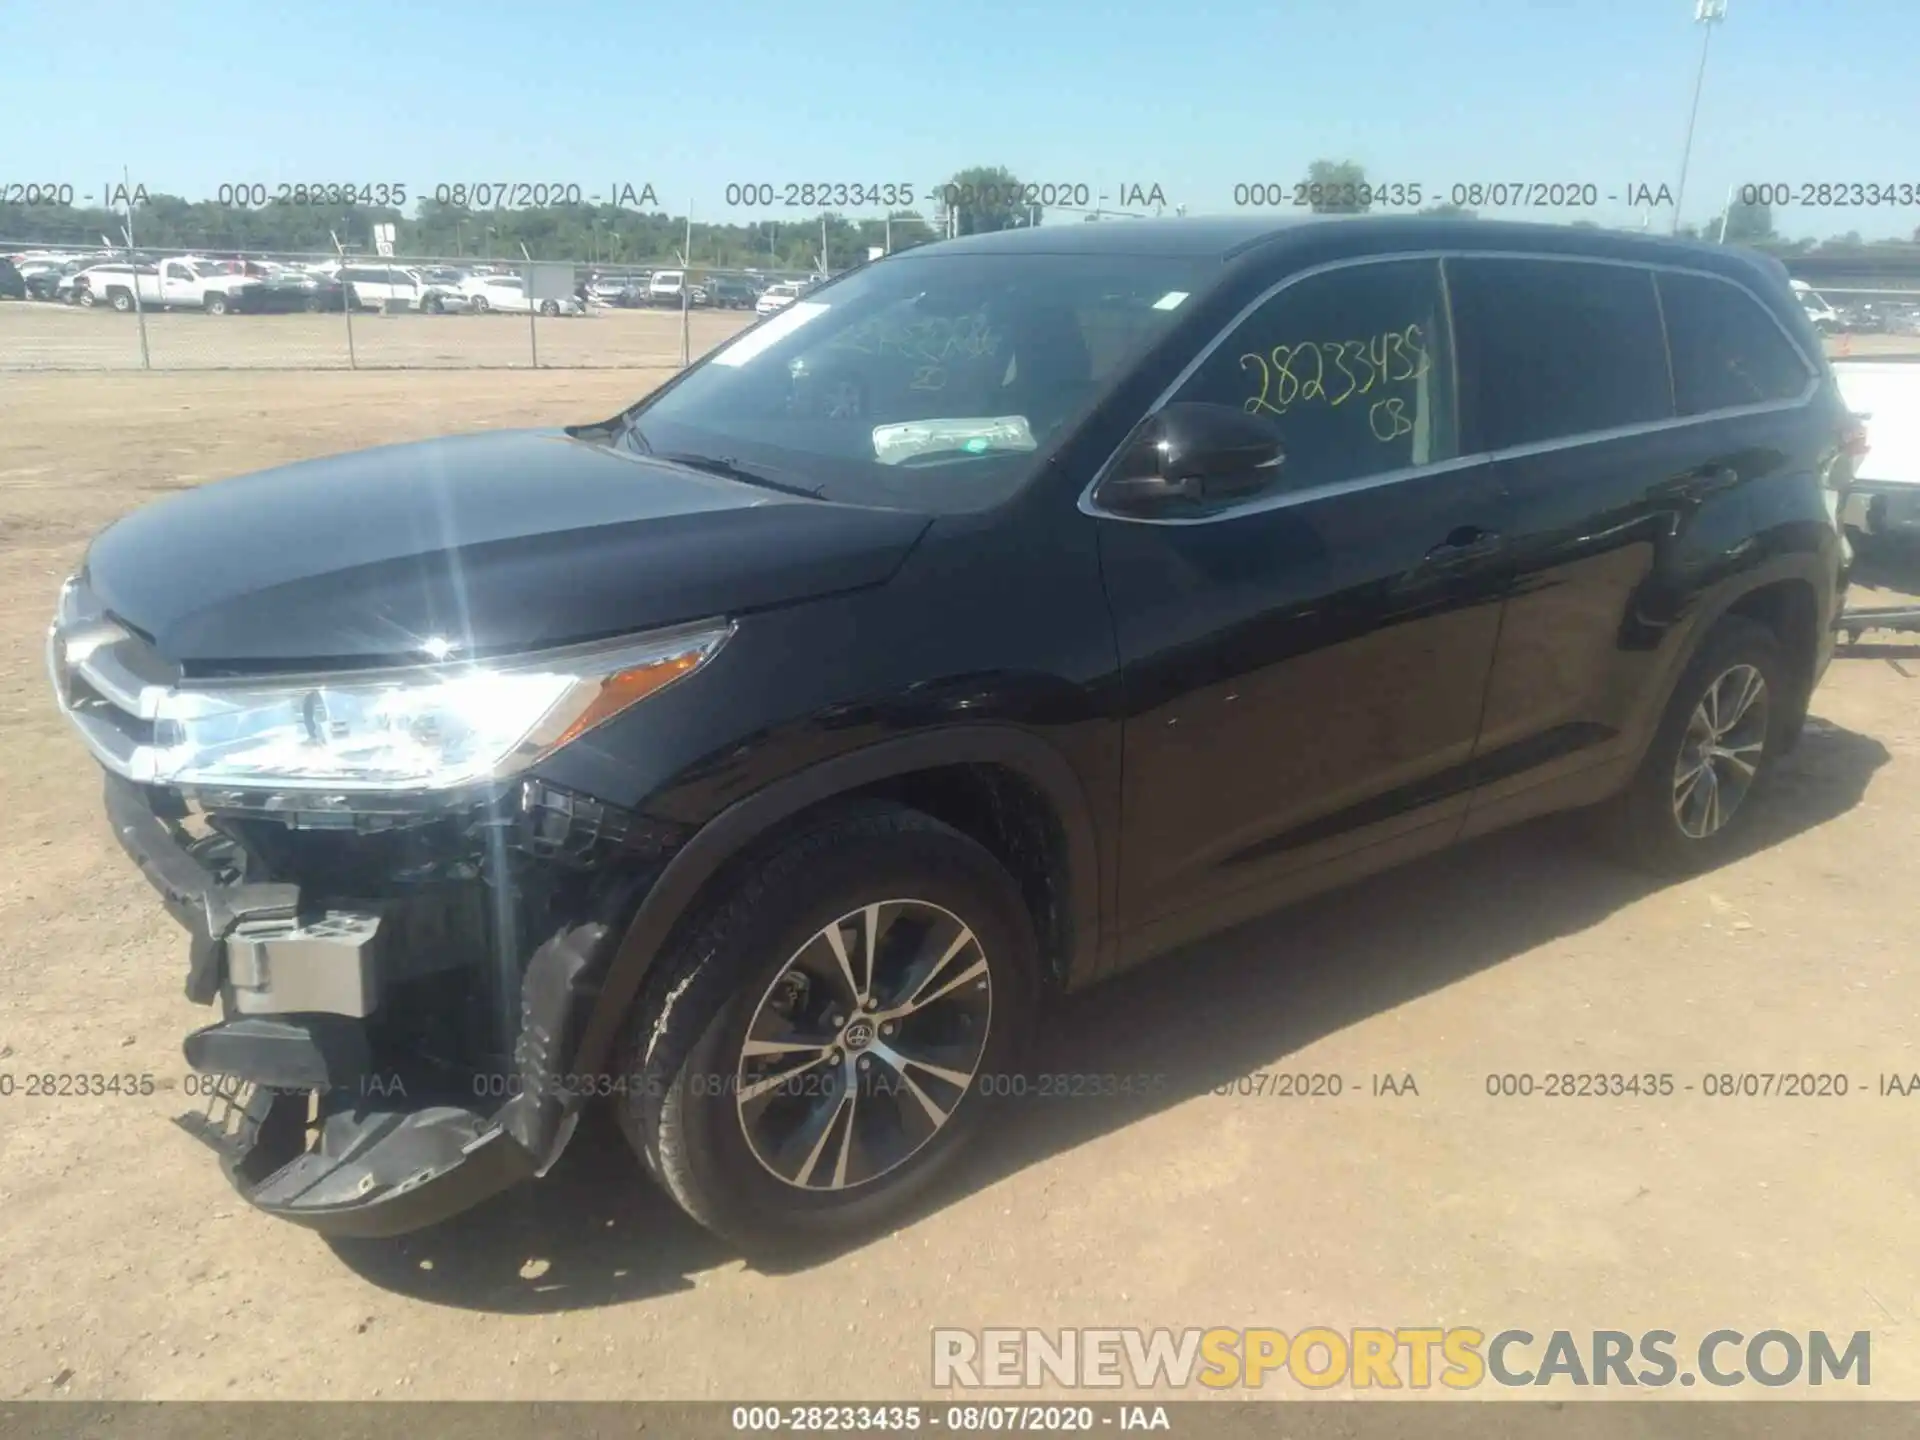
x=373, y=1174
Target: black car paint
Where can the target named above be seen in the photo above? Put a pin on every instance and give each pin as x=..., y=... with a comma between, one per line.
x=450, y=541
x=1164, y=690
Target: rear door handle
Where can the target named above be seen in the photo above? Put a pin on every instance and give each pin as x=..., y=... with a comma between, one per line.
x=1462, y=545
x=1698, y=484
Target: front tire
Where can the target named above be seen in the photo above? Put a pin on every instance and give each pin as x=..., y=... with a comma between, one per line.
x=549, y=307
x=1691, y=803
x=812, y=1052
x=478, y=305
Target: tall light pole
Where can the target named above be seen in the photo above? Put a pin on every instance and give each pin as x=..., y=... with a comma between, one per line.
x=1706, y=14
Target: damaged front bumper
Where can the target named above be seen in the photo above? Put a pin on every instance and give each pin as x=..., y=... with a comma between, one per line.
x=383, y=1064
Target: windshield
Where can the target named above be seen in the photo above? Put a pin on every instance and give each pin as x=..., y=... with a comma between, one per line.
x=923, y=381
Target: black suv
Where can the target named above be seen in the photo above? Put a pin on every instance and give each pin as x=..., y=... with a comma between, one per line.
x=1009, y=611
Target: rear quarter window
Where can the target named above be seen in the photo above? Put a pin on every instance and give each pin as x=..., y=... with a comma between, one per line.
x=1727, y=350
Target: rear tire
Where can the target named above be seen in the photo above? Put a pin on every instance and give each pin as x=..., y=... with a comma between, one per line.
x=549, y=307
x=824, y=1129
x=478, y=305
x=1691, y=803
x=216, y=304
x=121, y=300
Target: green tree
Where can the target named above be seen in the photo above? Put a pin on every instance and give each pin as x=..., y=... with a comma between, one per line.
x=1337, y=180
x=1447, y=207
x=986, y=196
x=602, y=235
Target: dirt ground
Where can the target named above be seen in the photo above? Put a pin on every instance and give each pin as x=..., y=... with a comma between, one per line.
x=132, y=1270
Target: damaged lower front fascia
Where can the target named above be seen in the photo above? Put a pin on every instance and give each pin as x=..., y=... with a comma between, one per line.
x=462, y=953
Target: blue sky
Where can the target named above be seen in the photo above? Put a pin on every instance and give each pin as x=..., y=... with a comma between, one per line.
x=1193, y=97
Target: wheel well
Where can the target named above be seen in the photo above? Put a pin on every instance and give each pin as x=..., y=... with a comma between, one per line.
x=992, y=804
x=1009, y=815
x=1789, y=609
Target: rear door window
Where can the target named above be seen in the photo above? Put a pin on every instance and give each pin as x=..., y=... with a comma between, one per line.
x=1555, y=349
x=1727, y=350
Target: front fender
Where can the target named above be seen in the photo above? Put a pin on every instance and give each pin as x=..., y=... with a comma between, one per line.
x=674, y=892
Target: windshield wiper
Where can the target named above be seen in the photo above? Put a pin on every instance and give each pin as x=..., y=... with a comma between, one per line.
x=727, y=467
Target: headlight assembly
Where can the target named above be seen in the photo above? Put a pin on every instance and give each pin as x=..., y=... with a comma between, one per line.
x=416, y=729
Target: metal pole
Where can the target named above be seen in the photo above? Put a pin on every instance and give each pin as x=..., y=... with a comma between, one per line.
x=133, y=265
x=533, y=330
x=686, y=294
x=1726, y=211
x=1707, y=13
x=346, y=301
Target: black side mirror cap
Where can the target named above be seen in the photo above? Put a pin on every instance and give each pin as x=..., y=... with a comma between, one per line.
x=1190, y=452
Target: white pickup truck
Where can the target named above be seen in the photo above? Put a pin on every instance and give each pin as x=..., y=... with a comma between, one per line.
x=163, y=285
x=1884, y=501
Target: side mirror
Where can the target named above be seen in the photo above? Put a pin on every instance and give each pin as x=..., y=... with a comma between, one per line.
x=1192, y=451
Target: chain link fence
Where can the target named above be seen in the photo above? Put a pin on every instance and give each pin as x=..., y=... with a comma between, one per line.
x=172, y=310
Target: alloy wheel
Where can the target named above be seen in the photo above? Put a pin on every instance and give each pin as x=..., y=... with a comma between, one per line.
x=1720, y=752
x=864, y=1045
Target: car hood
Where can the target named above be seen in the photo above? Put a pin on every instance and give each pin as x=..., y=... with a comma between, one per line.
x=496, y=542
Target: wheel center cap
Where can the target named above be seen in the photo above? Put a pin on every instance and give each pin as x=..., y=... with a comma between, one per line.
x=858, y=1035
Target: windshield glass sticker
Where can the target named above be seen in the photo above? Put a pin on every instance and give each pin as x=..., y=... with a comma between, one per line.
x=893, y=444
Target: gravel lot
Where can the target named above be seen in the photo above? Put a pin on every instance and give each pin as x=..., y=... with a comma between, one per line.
x=133, y=1271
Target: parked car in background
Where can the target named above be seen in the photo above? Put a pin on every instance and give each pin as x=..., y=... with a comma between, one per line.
x=776, y=297
x=171, y=284
x=1883, y=501
x=607, y=289
x=728, y=292
x=509, y=293
x=13, y=285
x=43, y=281
x=667, y=287
x=376, y=286
x=114, y=284
x=291, y=291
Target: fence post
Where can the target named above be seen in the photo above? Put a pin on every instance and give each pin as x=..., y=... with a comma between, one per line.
x=133, y=265
x=533, y=305
x=686, y=293
x=346, y=302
